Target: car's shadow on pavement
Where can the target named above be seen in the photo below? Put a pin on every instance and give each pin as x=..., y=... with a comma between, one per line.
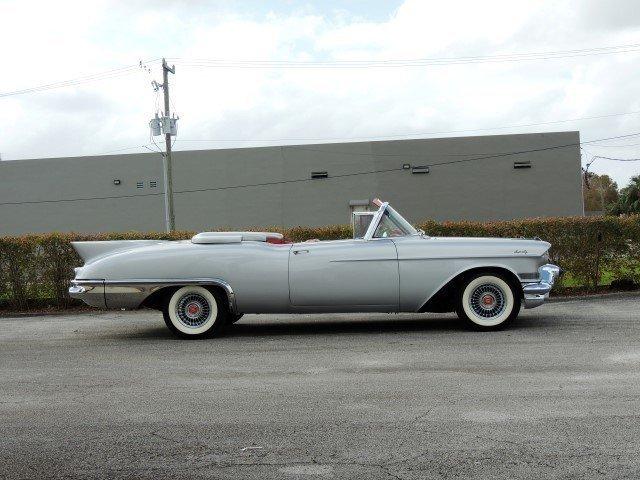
x=435, y=324
x=292, y=326
x=310, y=327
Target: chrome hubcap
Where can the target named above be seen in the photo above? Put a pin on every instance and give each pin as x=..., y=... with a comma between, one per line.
x=487, y=300
x=193, y=310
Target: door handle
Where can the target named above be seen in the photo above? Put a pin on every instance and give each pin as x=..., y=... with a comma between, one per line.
x=296, y=252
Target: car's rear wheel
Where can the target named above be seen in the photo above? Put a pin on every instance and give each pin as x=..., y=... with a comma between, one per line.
x=487, y=302
x=195, y=312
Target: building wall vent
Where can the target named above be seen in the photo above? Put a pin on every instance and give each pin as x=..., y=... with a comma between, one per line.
x=319, y=175
x=420, y=169
x=525, y=164
x=153, y=184
x=140, y=185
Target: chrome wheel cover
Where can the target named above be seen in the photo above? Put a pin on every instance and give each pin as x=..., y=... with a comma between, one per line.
x=487, y=300
x=193, y=310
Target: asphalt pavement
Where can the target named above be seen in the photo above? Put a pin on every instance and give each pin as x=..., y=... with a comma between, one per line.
x=114, y=395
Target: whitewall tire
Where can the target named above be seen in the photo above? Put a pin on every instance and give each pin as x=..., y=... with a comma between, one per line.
x=195, y=312
x=488, y=302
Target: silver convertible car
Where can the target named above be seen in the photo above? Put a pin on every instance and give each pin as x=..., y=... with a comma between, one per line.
x=206, y=283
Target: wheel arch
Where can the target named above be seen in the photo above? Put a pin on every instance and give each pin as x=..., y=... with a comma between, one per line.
x=444, y=299
x=157, y=298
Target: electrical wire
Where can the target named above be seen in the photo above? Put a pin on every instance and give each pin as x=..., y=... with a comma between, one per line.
x=599, y=157
x=413, y=134
x=119, y=150
x=618, y=146
x=418, y=62
x=108, y=74
x=307, y=179
x=482, y=157
x=62, y=200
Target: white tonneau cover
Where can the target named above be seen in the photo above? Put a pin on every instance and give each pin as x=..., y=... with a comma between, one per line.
x=234, y=237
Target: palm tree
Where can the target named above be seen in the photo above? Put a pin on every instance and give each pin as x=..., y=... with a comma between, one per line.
x=629, y=200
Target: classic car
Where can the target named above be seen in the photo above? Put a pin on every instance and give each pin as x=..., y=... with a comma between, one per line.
x=208, y=282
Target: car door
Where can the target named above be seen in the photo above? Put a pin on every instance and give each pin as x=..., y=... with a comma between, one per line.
x=344, y=275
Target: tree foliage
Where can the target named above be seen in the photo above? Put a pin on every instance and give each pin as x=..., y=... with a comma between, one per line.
x=600, y=193
x=629, y=199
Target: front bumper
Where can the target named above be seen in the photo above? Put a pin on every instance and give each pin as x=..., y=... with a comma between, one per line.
x=536, y=293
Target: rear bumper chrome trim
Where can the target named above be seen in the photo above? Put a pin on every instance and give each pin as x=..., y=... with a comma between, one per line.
x=131, y=293
x=90, y=292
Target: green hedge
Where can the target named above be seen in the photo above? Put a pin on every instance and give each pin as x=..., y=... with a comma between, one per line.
x=36, y=269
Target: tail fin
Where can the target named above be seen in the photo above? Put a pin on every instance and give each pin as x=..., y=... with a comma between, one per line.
x=90, y=251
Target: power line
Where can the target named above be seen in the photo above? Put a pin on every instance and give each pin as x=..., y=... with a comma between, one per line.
x=108, y=74
x=618, y=146
x=585, y=169
x=352, y=174
x=482, y=157
x=415, y=134
x=281, y=182
x=372, y=63
x=598, y=157
x=61, y=200
x=419, y=62
x=120, y=150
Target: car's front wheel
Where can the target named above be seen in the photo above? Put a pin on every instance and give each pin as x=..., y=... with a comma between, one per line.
x=195, y=312
x=487, y=302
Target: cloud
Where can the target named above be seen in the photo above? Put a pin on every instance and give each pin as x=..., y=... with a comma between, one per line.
x=69, y=39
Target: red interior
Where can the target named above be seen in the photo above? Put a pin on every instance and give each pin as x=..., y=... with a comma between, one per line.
x=279, y=241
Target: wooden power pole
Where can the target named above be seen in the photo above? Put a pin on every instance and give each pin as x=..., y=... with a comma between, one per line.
x=171, y=219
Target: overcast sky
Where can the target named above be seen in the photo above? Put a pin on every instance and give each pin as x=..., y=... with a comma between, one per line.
x=219, y=107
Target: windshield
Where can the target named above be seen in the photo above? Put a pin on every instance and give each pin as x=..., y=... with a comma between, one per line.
x=361, y=222
x=392, y=224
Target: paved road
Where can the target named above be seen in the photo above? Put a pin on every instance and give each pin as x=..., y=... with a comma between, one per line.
x=113, y=395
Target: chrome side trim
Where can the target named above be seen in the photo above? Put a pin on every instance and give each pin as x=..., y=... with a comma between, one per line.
x=536, y=293
x=132, y=292
x=349, y=260
x=465, y=257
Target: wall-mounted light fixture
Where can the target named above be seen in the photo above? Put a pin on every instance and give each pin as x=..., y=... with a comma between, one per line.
x=319, y=174
x=116, y=181
x=420, y=169
x=525, y=164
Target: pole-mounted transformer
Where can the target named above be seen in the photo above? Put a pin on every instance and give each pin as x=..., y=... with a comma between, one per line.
x=166, y=125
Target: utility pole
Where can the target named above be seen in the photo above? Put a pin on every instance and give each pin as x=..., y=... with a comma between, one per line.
x=171, y=219
x=167, y=126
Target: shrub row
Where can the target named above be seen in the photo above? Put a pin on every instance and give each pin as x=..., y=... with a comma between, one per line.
x=37, y=268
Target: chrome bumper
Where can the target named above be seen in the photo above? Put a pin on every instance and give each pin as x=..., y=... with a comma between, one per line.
x=536, y=293
x=131, y=293
x=90, y=292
